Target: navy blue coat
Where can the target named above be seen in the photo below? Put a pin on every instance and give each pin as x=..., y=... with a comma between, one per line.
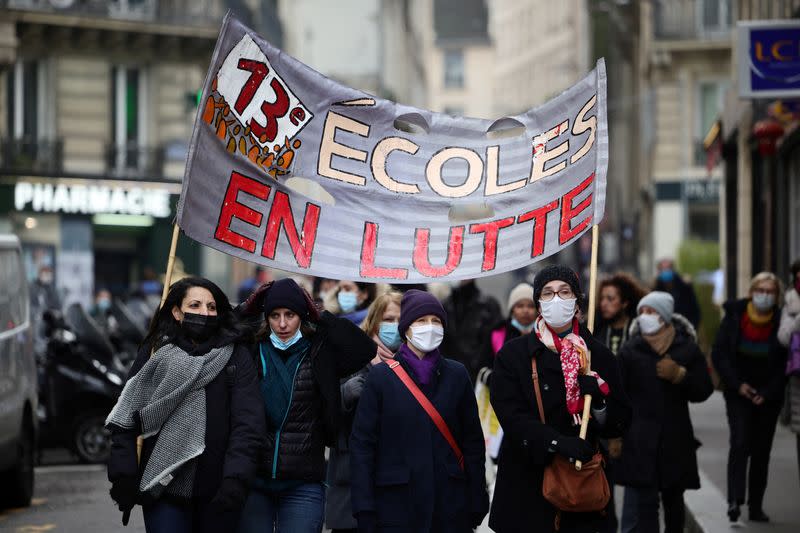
x=402, y=469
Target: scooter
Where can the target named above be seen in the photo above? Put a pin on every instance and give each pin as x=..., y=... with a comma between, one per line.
x=80, y=379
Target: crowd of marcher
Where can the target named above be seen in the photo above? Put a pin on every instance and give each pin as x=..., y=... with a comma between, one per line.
x=224, y=422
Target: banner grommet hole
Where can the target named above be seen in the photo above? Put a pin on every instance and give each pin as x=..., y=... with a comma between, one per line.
x=505, y=128
x=311, y=189
x=413, y=123
x=470, y=211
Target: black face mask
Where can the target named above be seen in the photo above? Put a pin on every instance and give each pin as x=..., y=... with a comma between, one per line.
x=199, y=327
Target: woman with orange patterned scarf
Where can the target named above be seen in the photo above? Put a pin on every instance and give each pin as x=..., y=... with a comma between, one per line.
x=751, y=363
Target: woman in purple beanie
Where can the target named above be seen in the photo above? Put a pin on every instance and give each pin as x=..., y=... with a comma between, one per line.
x=417, y=450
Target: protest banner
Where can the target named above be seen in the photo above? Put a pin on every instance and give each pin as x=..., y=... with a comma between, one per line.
x=295, y=171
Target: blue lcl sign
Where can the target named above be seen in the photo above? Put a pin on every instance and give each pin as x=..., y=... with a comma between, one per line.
x=769, y=59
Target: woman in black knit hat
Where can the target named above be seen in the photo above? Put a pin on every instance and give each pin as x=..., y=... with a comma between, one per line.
x=301, y=357
x=561, y=349
x=410, y=473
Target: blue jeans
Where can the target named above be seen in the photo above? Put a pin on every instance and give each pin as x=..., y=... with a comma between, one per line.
x=163, y=517
x=297, y=510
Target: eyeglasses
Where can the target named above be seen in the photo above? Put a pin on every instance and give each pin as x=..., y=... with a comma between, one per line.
x=565, y=294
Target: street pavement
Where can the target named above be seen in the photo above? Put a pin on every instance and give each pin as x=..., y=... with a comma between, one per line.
x=74, y=498
x=782, y=499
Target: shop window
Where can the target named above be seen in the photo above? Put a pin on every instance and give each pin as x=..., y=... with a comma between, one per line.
x=704, y=222
x=454, y=69
x=710, y=100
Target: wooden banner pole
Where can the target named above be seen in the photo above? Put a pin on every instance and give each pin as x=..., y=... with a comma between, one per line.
x=587, y=400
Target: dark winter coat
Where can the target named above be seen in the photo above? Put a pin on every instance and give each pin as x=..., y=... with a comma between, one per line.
x=338, y=504
x=518, y=504
x=402, y=469
x=470, y=315
x=660, y=447
x=338, y=349
x=768, y=379
x=234, y=434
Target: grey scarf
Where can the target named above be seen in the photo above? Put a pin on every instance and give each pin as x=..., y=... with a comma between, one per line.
x=169, y=394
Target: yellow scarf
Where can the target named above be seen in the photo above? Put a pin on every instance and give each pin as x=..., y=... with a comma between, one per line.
x=755, y=318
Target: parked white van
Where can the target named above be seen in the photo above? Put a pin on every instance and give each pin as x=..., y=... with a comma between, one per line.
x=18, y=396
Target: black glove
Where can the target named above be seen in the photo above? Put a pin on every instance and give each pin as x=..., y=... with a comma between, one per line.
x=230, y=496
x=589, y=385
x=367, y=522
x=254, y=305
x=351, y=390
x=125, y=491
x=574, y=448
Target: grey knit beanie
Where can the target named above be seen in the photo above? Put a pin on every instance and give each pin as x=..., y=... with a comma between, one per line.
x=662, y=302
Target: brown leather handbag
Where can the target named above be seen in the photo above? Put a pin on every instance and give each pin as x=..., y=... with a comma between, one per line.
x=568, y=489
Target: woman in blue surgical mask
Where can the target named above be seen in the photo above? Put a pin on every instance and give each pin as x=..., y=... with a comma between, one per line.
x=408, y=471
x=381, y=325
x=301, y=356
x=351, y=299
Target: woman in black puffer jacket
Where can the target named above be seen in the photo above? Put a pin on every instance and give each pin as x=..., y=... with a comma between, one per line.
x=301, y=357
x=663, y=370
x=193, y=339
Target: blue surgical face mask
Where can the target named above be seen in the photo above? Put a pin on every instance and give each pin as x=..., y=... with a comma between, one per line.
x=347, y=301
x=285, y=345
x=104, y=304
x=666, y=275
x=389, y=335
x=524, y=329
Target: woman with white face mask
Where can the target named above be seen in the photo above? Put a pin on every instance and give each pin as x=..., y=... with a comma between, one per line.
x=664, y=370
x=417, y=453
x=751, y=363
x=560, y=348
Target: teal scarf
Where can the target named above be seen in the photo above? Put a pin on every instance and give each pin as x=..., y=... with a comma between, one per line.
x=279, y=368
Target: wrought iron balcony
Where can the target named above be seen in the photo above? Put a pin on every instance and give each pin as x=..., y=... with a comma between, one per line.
x=199, y=13
x=701, y=20
x=134, y=161
x=31, y=155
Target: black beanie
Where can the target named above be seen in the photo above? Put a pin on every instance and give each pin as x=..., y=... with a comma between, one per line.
x=416, y=304
x=286, y=293
x=553, y=273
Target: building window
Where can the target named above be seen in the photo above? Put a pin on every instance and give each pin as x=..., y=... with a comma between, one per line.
x=703, y=222
x=453, y=69
x=127, y=113
x=714, y=16
x=710, y=99
x=29, y=144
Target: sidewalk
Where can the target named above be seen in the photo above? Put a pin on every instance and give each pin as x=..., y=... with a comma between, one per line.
x=708, y=505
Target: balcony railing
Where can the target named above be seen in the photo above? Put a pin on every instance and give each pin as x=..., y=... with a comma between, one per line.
x=703, y=20
x=132, y=160
x=31, y=155
x=199, y=13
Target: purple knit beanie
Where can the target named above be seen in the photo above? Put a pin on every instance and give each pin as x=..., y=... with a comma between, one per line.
x=415, y=304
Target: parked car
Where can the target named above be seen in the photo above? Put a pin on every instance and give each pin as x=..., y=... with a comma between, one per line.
x=18, y=394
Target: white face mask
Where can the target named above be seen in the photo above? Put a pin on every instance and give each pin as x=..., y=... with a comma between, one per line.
x=426, y=338
x=650, y=324
x=763, y=302
x=557, y=312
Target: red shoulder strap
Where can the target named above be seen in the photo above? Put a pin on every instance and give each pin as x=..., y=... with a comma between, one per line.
x=441, y=425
